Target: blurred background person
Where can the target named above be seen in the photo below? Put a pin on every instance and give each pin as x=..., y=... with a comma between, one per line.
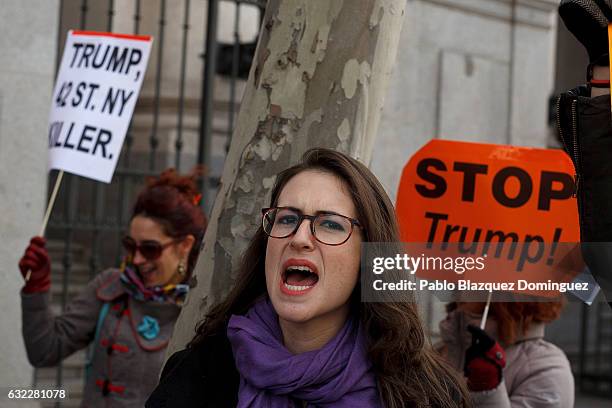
x=125, y=314
x=508, y=364
x=585, y=133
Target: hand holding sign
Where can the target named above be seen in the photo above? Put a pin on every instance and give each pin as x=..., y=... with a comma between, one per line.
x=94, y=97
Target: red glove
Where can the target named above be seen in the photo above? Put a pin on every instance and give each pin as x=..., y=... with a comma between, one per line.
x=484, y=361
x=36, y=259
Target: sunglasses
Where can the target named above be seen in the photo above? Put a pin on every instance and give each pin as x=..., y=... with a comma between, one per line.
x=149, y=249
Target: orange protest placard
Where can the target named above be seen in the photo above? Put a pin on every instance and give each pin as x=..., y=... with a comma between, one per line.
x=474, y=192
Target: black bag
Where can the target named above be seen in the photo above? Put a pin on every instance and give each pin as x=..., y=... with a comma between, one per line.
x=585, y=129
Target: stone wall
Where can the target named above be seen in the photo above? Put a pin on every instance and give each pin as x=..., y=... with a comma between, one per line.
x=27, y=63
x=472, y=70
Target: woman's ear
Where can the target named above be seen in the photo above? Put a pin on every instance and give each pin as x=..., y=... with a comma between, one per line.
x=186, y=244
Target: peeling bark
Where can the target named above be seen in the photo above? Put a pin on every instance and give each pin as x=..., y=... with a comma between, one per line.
x=319, y=78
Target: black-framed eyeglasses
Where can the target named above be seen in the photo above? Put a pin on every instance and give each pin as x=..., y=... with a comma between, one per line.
x=327, y=227
x=149, y=249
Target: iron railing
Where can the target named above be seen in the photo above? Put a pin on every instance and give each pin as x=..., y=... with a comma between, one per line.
x=595, y=367
x=90, y=217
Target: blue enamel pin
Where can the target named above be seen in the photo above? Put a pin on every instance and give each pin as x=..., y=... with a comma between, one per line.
x=148, y=328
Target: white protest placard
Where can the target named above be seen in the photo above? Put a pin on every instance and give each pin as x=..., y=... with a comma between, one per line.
x=94, y=97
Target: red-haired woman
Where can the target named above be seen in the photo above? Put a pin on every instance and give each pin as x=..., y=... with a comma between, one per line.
x=128, y=313
x=508, y=364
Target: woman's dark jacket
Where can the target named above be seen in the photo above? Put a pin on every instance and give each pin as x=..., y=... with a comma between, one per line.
x=202, y=376
x=585, y=129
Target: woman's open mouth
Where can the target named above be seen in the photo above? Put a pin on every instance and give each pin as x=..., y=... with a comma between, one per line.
x=147, y=273
x=298, y=277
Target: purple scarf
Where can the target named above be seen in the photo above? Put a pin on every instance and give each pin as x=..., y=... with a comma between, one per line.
x=337, y=375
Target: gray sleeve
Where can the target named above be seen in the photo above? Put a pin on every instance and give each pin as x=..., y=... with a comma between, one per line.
x=48, y=338
x=495, y=398
x=550, y=387
x=545, y=381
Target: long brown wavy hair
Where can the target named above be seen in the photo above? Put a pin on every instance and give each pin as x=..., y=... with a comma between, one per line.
x=409, y=372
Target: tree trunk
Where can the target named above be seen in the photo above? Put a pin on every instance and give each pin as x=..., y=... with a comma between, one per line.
x=319, y=78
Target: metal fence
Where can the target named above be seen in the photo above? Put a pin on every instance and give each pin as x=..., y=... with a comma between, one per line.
x=595, y=367
x=90, y=217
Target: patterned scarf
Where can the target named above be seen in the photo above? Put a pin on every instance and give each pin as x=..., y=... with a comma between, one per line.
x=171, y=293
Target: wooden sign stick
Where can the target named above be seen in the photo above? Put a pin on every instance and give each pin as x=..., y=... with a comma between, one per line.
x=58, y=181
x=485, y=314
